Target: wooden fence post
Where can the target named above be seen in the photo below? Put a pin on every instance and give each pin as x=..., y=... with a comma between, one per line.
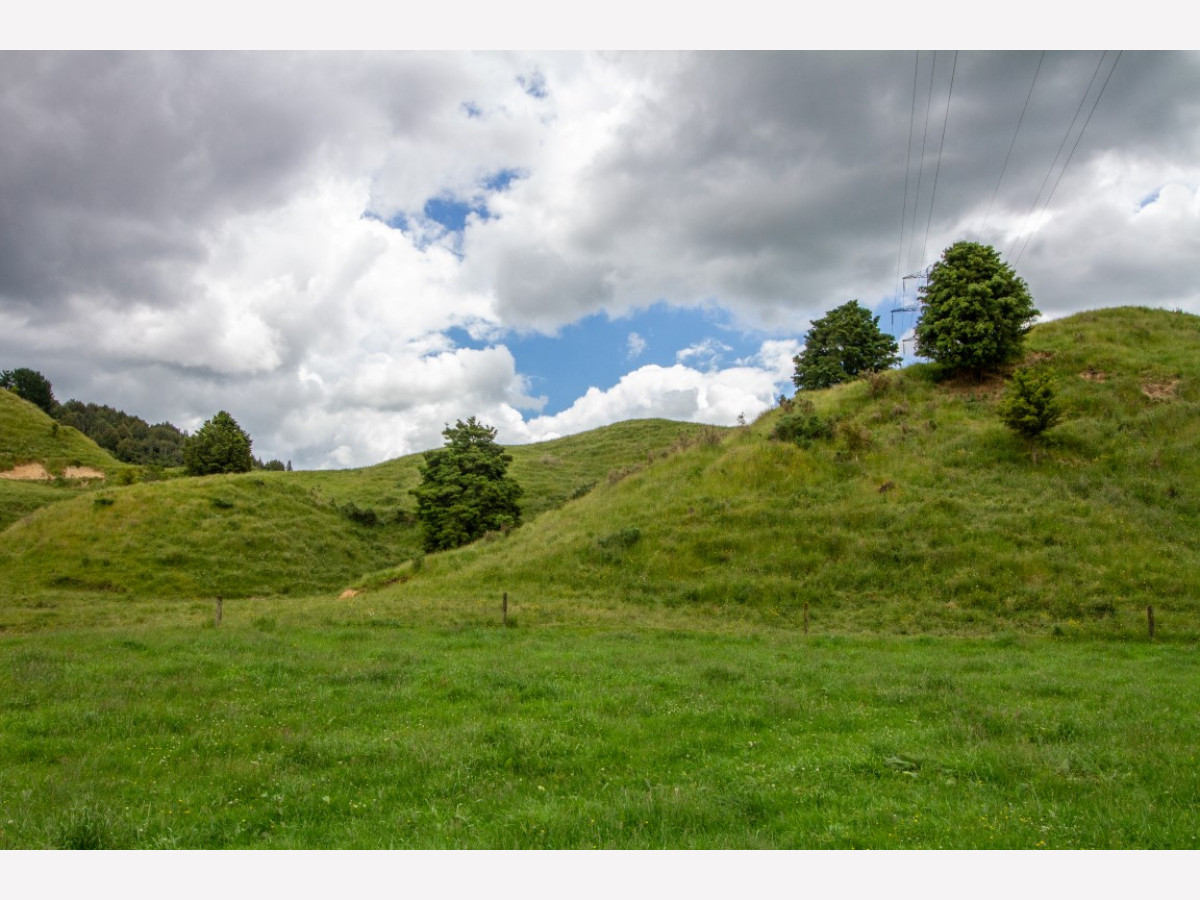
x=217, y=616
x=806, y=617
x=1150, y=620
x=504, y=609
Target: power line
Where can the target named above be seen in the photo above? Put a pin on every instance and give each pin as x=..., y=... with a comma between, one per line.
x=1078, y=138
x=1050, y=171
x=912, y=117
x=941, y=147
x=921, y=170
x=1004, y=168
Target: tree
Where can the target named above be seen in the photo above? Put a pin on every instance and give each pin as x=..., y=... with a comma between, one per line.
x=129, y=438
x=844, y=343
x=465, y=490
x=1029, y=406
x=219, y=446
x=31, y=386
x=975, y=310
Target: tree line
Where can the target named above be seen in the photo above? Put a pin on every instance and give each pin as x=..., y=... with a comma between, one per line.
x=220, y=445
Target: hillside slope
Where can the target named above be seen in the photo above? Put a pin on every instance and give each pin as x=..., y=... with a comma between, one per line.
x=922, y=513
x=28, y=435
x=266, y=533
x=48, y=457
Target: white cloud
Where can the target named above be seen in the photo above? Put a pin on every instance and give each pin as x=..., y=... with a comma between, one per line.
x=635, y=345
x=706, y=353
x=716, y=396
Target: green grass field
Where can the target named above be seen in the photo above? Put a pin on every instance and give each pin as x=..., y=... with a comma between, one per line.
x=339, y=735
x=920, y=632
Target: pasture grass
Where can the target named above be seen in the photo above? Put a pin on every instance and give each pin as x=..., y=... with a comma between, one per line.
x=263, y=734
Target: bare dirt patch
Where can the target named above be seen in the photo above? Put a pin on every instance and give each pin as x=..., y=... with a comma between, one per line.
x=968, y=385
x=1090, y=374
x=1161, y=390
x=38, y=472
x=27, y=472
x=82, y=472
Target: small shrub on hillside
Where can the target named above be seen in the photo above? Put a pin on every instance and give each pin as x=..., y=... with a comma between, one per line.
x=582, y=490
x=1029, y=406
x=802, y=428
x=611, y=548
x=621, y=540
x=360, y=516
x=879, y=383
x=856, y=438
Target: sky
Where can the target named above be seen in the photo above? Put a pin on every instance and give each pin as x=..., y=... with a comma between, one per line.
x=348, y=251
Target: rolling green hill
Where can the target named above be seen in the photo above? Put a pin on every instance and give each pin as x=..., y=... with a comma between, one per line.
x=270, y=533
x=922, y=513
x=29, y=437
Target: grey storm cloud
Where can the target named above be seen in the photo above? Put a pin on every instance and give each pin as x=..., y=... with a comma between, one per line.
x=777, y=181
x=115, y=165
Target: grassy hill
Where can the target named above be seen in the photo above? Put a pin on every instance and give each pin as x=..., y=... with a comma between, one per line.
x=265, y=533
x=29, y=436
x=922, y=513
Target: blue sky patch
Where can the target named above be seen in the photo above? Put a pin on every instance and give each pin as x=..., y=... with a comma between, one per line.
x=533, y=84
x=500, y=180
x=596, y=351
x=451, y=213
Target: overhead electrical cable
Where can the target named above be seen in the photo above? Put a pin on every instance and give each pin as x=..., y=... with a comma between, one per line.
x=921, y=169
x=1004, y=168
x=912, y=117
x=1078, y=138
x=941, y=147
x=1053, y=162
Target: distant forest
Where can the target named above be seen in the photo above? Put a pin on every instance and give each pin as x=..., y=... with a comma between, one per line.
x=128, y=438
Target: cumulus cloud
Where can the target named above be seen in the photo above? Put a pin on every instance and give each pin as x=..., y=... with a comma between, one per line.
x=706, y=353
x=715, y=396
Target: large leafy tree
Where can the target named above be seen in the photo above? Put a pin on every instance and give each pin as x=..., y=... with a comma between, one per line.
x=841, y=345
x=975, y=310
x=465, y=488
x=31, y=386
x=219, y=446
